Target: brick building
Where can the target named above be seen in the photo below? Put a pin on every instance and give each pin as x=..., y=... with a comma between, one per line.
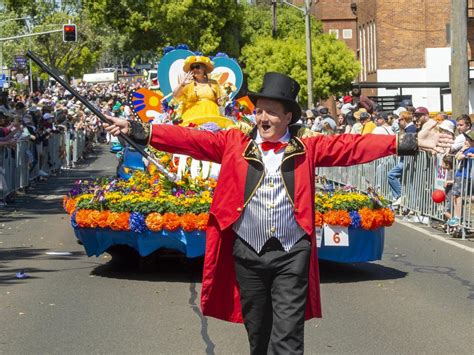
x=397, y=41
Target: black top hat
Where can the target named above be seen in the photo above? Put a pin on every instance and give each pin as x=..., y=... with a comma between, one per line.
x=280, y=87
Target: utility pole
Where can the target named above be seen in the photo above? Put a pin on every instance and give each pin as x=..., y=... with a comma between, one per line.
x=309, y=60
x=459, y=65
x=274, y=18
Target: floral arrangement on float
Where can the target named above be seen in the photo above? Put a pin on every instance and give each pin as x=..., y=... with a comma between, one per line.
x=353, y=210
x=148, y=202
x=148, y=212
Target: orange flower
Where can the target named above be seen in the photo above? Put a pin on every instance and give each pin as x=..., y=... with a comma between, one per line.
x=154, y=222
x=202, y=220
x=318, y=219
x=189, y=222
x=367, y=217
x=388, y=216
x=100, y=218
x=69, y=204
x=171, y=221
x=119, y=221
x=337, y=218
x=82, y=218
x=212, y=183
x=378, y=219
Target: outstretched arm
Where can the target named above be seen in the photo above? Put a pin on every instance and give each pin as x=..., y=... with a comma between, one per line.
x=351, y=149
x=201, y=145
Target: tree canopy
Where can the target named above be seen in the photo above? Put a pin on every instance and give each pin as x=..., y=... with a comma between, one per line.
x=129, y=31
x=334, y=64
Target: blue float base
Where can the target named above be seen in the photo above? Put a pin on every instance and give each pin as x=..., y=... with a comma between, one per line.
x=97, y=241
x=363, y=245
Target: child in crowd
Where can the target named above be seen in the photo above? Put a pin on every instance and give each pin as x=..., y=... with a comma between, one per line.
x=462, y=179
x=447, y=164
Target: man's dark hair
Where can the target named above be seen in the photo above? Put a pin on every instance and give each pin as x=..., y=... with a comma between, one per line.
x=356, y=92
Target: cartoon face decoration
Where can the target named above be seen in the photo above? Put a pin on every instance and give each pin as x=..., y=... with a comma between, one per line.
x=170, y=68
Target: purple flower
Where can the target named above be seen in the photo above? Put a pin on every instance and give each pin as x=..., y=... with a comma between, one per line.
x=137, y=222
x=73, y=220
x=355, y=217
x=75, y=191
x=165, y=106
x=210, y=126
x=229, y=109
x=168, y=49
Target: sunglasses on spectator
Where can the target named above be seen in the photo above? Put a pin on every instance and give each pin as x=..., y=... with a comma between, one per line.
x=197, y=66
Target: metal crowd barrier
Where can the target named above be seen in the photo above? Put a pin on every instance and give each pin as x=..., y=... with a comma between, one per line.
x=363, y=176
x=22, y=164
x=419, y=179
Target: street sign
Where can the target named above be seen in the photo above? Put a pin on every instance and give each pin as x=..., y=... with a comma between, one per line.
x=20, y=61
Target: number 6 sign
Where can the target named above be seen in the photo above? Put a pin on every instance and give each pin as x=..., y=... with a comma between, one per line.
x=336, y=236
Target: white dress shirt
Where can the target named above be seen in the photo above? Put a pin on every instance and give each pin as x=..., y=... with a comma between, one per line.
x=272, y=160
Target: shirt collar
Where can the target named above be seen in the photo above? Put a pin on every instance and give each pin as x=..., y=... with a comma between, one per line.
x=285, y=139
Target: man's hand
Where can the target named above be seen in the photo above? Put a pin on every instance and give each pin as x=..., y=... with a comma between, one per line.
x=118, y=126
x=430, y=140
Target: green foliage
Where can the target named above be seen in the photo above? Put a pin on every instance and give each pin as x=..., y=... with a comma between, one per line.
x=334, y=64
x=208, y=26
x=124, y=31
x=257, y=23
x=71, y=59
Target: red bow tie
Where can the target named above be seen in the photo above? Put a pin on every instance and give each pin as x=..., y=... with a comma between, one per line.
x=276, y=146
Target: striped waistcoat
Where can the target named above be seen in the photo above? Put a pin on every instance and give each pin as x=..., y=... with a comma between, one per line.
x=269, y=214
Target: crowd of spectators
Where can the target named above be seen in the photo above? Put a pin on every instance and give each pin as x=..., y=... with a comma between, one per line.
x=37, y=116
x=358, y=114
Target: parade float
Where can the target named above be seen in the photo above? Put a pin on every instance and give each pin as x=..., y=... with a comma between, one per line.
x=147, y=211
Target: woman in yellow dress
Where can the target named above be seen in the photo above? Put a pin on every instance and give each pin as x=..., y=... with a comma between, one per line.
x=200, y=96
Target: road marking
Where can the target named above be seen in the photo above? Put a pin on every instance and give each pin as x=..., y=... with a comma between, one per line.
x=438, y=237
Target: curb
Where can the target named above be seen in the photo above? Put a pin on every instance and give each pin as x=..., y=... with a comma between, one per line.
x=435, y=236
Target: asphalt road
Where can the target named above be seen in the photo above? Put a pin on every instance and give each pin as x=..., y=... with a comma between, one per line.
x=417, y=300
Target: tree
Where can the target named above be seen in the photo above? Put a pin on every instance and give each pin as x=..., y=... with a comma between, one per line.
x=334, y=64
x=257, y=23
x=71, y=59
x=208, y=26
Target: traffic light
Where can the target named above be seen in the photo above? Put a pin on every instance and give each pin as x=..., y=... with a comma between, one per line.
x=69, y=33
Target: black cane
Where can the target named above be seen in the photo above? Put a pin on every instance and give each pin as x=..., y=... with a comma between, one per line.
x=99, y=114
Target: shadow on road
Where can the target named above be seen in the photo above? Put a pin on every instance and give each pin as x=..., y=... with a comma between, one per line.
x=159, y=266
x=332, y=272
x=8, y=273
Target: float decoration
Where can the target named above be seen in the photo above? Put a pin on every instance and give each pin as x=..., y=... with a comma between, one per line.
x=148, y=212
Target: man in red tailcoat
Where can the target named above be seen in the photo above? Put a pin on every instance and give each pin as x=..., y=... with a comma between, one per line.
x=261, y=265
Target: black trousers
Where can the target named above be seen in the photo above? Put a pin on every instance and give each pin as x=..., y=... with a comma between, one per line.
x=273, y=289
